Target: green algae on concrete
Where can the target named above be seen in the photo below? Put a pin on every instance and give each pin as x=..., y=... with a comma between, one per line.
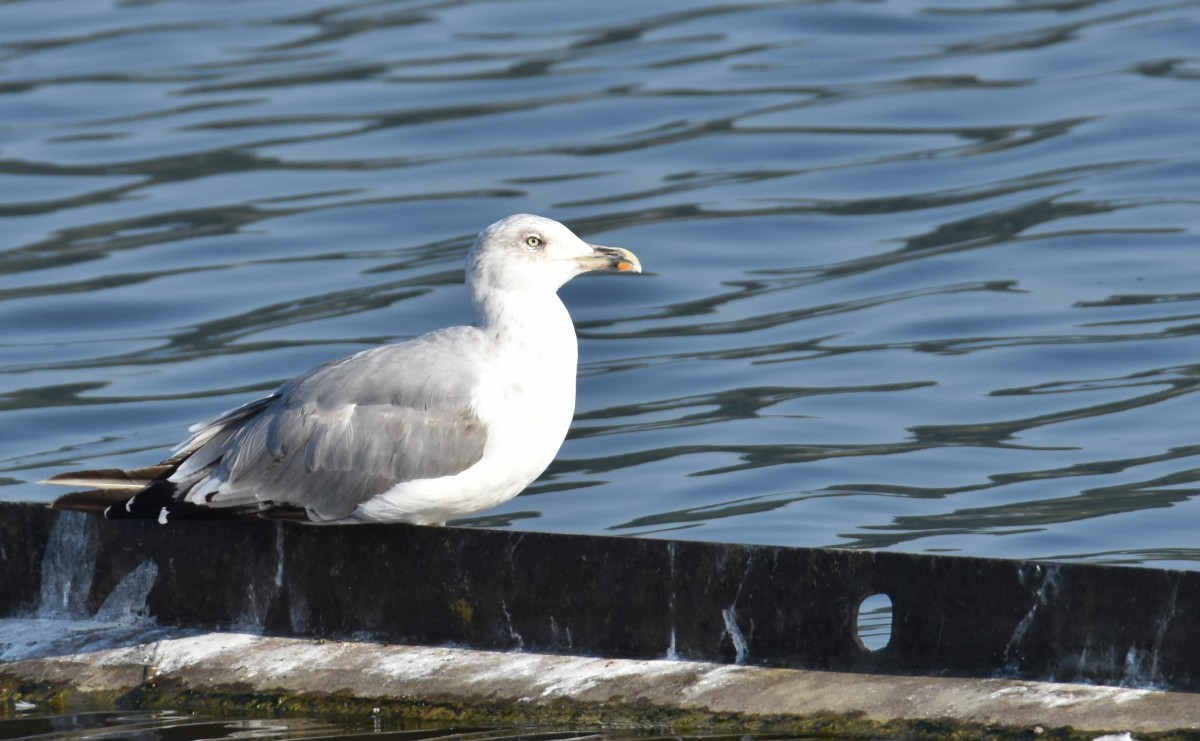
x=640, y=718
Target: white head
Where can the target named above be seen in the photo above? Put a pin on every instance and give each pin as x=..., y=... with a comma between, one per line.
x=524, y=252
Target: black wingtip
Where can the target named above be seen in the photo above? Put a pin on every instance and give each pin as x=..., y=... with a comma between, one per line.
x=148, y=504
x=158, y=502
x=95, y=501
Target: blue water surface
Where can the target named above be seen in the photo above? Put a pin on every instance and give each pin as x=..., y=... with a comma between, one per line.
x=921, y=275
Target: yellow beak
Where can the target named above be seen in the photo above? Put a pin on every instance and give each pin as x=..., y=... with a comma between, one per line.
x=610, y=258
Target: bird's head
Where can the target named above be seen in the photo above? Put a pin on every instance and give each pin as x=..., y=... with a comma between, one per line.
x=525, y=251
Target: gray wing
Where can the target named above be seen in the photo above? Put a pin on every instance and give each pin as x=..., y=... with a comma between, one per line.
x=346, y=431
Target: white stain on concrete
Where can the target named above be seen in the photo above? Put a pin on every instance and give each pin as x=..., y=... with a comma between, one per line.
x=1064, y=695
x=741, y=648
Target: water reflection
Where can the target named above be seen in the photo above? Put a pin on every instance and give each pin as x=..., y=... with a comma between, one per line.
x=183, y=726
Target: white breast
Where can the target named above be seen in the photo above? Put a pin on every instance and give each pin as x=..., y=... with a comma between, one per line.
x=526, y=400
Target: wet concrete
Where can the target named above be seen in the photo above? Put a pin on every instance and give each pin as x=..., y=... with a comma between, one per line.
x=239, y=671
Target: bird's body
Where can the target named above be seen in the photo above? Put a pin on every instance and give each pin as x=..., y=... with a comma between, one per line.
x=423, y=431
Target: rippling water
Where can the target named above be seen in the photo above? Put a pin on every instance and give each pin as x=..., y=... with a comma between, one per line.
x=153, y=726
x=922, y=275
x=187, y=727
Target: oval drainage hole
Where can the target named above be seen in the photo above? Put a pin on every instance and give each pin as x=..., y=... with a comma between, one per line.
x=874, y=618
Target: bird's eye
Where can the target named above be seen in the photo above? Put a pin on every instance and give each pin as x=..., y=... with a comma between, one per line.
x=533, y=241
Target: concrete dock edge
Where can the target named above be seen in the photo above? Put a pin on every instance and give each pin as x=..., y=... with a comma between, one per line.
x=149, y=667
x=506, y=627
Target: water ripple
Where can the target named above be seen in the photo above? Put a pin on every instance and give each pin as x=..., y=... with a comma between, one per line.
x=919, y=275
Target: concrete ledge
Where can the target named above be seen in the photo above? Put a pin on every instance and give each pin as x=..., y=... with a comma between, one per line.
x=74, y=664
x=695, y=636
x=624, y=598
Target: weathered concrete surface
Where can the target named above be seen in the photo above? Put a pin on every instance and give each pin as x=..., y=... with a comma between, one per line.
x=616, y=597
x=144, y=666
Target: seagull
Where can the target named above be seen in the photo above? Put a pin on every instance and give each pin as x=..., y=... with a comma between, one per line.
x=423, y=431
